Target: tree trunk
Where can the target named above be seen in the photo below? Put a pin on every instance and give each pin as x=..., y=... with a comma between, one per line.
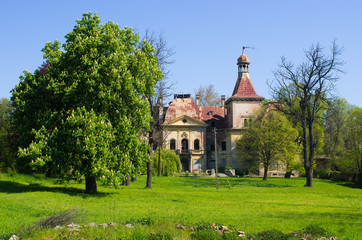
x=90, y=185
x=309, y=174
x=159, y=161
x=307, y=166
x=149, y=174
x=265, y=172
x=126, y=181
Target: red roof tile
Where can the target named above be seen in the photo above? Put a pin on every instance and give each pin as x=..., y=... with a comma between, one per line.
x=244, y=87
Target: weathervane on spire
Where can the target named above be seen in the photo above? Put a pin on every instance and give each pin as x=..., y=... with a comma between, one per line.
x=244, y=47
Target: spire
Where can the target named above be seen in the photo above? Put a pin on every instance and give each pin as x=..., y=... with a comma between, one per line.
x=243, y=87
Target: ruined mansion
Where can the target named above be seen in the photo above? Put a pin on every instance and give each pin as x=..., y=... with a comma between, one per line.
x=188, y=128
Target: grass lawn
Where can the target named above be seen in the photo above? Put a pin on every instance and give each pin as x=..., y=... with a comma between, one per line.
x=251, y=205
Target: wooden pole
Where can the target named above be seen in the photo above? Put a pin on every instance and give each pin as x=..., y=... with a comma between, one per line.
x=216, y=170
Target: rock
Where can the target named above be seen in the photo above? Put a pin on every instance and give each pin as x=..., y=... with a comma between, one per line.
x=191, y=229
x=230, y=172
x=224, y=228
x=93, y=224
x=72, y=225
x=128, y=225
x=104, y=225
x=179, y=226
x=14, y=237
x=112, y=224
x=241, y=236
x=58, y=227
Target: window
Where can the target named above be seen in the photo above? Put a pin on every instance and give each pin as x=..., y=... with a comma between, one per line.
x=184, y=145
x=173, y=144
x=223, y=146
x=197, y=144
x=184, y=120
x=210, y=113
x=212, y=146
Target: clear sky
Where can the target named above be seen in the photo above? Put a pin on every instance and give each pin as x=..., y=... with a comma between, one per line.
x=207, y=36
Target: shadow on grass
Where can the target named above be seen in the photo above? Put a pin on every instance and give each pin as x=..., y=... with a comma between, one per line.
x=14, y=187
x=348, y=184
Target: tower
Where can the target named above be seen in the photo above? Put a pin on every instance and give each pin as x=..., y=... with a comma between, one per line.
x=244, y=100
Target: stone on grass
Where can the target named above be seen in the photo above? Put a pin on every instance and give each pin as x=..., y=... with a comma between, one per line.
x=128, y=225
x=14, y=237
x=93, y=224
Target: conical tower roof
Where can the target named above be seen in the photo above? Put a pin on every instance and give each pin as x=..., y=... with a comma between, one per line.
x=244, y=87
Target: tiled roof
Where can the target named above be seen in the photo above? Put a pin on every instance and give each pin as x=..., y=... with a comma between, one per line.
x=244, y=88
x=182, y=106
x=216, y=114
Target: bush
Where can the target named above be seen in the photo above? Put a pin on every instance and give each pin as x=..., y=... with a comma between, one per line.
x=271, y=235
x=206, y=234
x=324, y=173
x=148, y=221
x=316, y=231
x=170, y=162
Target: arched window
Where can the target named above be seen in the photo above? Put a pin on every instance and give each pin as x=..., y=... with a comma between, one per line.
x=173, y=144
x=184, y=145
x=197, y=144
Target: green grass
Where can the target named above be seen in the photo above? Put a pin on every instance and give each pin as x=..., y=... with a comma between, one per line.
x=251, y=205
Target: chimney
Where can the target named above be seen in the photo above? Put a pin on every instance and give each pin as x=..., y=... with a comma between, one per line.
x=197, y=98
x=222, y=101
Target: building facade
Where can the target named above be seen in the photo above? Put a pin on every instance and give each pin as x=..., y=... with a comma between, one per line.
x=189, y=128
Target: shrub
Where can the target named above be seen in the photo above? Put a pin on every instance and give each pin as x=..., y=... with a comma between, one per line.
x=271, y=235
x=316, y=231
x=206, y=234
x=324, y=173
x=170, y=162
x=148, y=221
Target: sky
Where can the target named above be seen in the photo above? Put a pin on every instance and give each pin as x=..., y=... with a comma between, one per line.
x=207, y=37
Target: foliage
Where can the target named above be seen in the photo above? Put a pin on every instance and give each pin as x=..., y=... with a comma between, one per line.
x=148, y=221
x=270, y=139
x=170, y=162
x=314, y=231
x=100, y=74
x=342, y=124
x=206, y=234
x=302, y=92
x=271, y=235
x=6, y=160
x=208, y=96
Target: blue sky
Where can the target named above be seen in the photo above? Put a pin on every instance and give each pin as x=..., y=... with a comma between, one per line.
x=207, y=36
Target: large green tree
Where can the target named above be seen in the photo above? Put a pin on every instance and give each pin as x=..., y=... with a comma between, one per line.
x=269, y=139
x=101, y=74
x=6, y=109
x=307, y=86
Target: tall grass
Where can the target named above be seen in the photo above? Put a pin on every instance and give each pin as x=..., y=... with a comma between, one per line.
x=251, y=205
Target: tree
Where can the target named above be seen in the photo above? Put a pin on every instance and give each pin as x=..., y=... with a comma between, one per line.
x=303, y=91
x=269, y=139
x=335, y=121
x=208, y=96
x=6, y=110
x=170, y=162
x=87, y=110
x=354, y=142
x=164, y=55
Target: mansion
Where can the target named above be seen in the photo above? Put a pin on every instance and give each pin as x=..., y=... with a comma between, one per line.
x=188, y=128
